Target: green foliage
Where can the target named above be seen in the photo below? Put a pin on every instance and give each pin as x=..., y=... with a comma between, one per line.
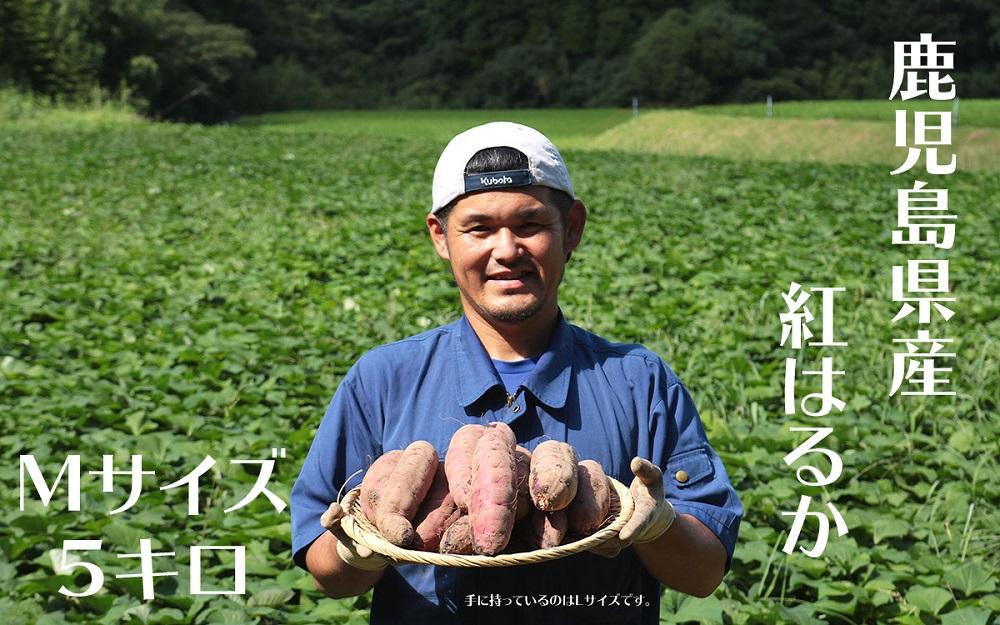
x=16, y=104
x=26, y=108
x=197, y=60
x=686, y=58
x=281, y=85
x=661, y=63
x=144, y=76
x=172, y=60
x=206, y=61
x=181, y=291
x=45, y=45
x=522, y=74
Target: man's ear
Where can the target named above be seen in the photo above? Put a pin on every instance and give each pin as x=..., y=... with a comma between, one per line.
x=438, y=236
x=576, y=219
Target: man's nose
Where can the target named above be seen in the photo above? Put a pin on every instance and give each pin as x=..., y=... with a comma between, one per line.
x=507, y=246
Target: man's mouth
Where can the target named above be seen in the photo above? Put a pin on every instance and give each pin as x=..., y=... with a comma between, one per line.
x=508, y=275
x=510, y=278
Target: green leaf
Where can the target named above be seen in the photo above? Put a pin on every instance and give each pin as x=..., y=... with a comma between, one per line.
x=116, y=614
x=992, y=602
x=969, y=615
x=7, y=571
x=123, y=535
x=229, y=617
x=33, y=524
x=137, y=423
x=57, y=562
x=963, y=439
x=928, y=599
x=270, y=597
x=97, y=604
x=800, y=615
x=49, y=584
x=880, y=591
x=838, y=606
x=707, y=610
x=167, y=616
x=888, y=528
x=970, y=578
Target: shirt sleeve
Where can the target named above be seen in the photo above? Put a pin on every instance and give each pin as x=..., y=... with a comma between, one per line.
x=694, y=479
x=347, y=441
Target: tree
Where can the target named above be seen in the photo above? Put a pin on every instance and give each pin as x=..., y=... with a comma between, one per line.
x=197, y=61
x=690, y=58
x=46, y=46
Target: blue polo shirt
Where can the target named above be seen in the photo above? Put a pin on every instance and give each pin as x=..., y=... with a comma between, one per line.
x=611, y=401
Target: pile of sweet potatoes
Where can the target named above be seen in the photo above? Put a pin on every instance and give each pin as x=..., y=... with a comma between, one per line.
x=488, y=494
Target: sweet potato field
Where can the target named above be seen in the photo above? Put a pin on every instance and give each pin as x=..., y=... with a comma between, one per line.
x=185, y=292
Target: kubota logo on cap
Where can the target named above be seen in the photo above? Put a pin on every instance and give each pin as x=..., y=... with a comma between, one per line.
x=493, y=180
x=497, y=179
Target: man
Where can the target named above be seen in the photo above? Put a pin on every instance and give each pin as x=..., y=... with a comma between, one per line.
x=505, y=217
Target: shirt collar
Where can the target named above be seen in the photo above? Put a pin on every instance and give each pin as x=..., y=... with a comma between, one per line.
x=476, y=373
x=549, y=382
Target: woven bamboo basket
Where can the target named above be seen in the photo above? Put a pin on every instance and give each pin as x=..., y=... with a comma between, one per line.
x=357, y=526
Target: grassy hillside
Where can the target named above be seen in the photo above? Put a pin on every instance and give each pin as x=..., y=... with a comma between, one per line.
x=840, y=141
x=971, y=113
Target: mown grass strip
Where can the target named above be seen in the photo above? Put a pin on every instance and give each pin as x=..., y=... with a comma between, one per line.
x=972, y=113
x=786, y=140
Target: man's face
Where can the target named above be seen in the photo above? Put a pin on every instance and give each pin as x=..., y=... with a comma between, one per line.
x=507, y=251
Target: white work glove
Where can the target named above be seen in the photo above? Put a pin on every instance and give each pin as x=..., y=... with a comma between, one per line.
x=651, y=516
x=354, y=554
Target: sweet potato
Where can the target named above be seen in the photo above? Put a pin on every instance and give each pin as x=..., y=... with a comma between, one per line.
x=590, y=507
x=437, y=512
x=553, y=476
x=371, y=486
x=522, y=458
x=457, y=538
x=547, y=529
x=458, y=462
x=404, y=490
x=493, y=495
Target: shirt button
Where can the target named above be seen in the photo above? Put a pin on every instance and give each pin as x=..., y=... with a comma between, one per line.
x=681, y=476
x=516, y=408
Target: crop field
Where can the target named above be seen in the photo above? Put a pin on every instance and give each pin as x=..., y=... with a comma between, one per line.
x=565, y=128
x=182, y=292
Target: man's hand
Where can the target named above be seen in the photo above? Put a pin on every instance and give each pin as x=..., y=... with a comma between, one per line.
x=652, y=515
x=354, y=554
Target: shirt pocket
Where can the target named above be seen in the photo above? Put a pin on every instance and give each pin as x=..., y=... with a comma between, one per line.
x=690, y=468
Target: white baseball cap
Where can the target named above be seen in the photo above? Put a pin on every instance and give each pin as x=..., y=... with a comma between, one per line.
x=545, y=165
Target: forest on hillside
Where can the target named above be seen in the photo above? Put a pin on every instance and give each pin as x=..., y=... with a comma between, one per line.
x=203, y=60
